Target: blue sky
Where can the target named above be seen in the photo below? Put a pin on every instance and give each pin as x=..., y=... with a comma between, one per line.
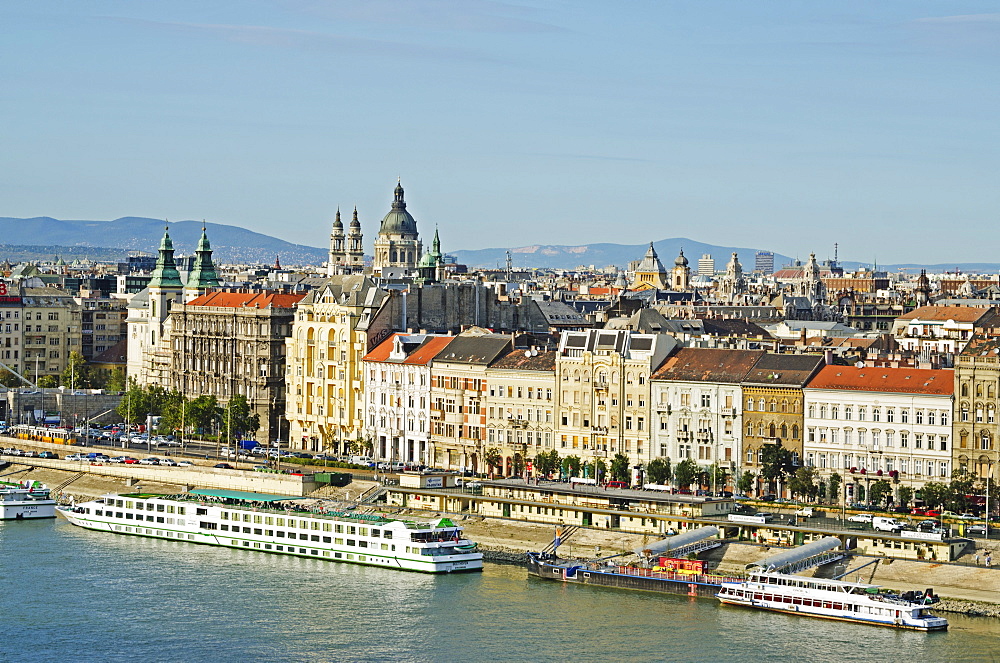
x=775, y=125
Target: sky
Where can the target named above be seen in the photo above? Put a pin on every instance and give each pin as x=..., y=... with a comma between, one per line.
x=775, y=125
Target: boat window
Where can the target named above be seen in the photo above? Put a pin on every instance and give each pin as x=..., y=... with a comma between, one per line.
x=351, y=542
x=201, y=512
x=161, y=507
x=387, y=534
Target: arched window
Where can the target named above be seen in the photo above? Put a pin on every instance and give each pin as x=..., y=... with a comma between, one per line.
x=771, y=430
x=784, y=431
x=795, y=431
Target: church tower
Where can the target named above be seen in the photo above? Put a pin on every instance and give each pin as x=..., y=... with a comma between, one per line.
x=355, y=246
x=397, y=246
x=203, y=275
x=681, y=273
x=650, y=273
x=165, y=286
x=733, y=284
x=431, y=267
x=338, y=256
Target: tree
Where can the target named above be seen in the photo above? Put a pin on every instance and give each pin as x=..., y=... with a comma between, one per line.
x=834, y=487
x=720, y=476
x=238, y=419
x=76, y=375
x=776, y=462
x=571, y=466
x=518, y=465
x=547, y=462
x=199, y=413
x=803, y=482
x=903, y=495
x=8, y=379
x=658, y=471
x=493, y=459
x=685, y=472
x=746, y=482
x=600, y=469
x=116, y=380
x=934, y=493
x=620, y=469
x=47, y=382
x=879, y=491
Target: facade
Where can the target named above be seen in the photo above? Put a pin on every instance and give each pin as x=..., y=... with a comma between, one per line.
x=680, y=275
x=324, y=379
x=940, y=329
x=52, y=321
x=773, y=406
x=459, y=387
x=697, y=397
x=876, y=422
x=398, y=396
x=764, y=263
x=225, y=344
x=12, y=326
x=650, y=273
x=347, y=254
x=397, y=245
x=520, y=416
x=706, y=265
x=102, y=321
x=977, y=429
x=602, y=392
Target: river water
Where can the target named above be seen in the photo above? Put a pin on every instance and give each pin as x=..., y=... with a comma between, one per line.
x=74, y=595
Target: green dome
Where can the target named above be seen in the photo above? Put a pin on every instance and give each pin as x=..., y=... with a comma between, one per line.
x=398, y=221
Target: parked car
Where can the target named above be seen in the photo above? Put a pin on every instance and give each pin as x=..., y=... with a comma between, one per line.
x=184, y=463
x=131, y=461
x=804, y=512
x=48, y=454
x=979, y=529
x=928, y=525
x=117, y=459
x=76, y=457
x=168, y=462
x=880, y=524
x=152, y=460
x=223, y=466
x=860, y=518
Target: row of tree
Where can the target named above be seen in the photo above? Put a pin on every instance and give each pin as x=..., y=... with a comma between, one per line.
x=202, y=416
x=78, y=374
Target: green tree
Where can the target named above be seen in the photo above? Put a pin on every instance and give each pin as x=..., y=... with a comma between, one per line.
x=746, y=482
x=904, y=495
x=200, y=413
x=685, y=472
x=879, y=491
x=934, y=493
x=776, y=463
x=571, y=466
x=600, y=469
x=620, y=469
x=76, y=375
x=518, y=465
x=547, y=462
x=720, y=475
x=238, y=420
x=8, y=379
x=834, y=487
x=658, y=471
x=116, y=380
x=47, y=382
x=493, y=459
x=803, y=482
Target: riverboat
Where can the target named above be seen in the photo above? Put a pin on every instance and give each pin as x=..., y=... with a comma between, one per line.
x=25, y=501
x=280, y=525
x=833, y=599
x=612, y=574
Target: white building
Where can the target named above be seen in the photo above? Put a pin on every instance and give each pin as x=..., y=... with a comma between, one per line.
x=872, y=423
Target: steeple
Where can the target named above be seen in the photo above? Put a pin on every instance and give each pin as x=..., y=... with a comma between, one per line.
x=165, y=274
x=203, y=274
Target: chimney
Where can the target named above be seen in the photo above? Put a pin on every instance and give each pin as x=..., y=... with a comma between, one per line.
x=828, y=356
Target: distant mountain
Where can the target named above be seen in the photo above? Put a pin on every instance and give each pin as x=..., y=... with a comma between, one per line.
x=230, y=244
x=602, y=255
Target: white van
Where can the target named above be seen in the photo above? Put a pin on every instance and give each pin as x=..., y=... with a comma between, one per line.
x=362, y=460
x=880, y=524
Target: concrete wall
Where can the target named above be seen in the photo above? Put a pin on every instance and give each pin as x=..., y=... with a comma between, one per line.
x=75, y=408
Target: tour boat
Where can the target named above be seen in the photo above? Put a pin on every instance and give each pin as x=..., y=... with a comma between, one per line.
x=277, y=524
x=25, y=500
x=833, y=599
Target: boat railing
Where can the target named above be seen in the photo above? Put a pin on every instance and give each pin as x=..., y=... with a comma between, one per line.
x=638, y=571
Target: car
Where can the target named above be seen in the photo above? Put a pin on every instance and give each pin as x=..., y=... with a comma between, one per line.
x=76, y=457
x=29, y=454
x=978, y=529
x=168, y=462
x=805, y=512
x=184, y=463
x=901, y=509
x=860, y=517
x=936, y=513
x=152, y=460
x=117, y=459
x=928, y=525
x=48, y=454
x=223, y=466
x=918, y=511
x=131, y=461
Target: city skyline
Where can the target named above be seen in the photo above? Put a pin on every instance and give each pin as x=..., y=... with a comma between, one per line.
x=546, y=123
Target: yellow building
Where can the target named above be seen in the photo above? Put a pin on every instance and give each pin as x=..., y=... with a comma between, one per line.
x=650, y=273
x=333, y=329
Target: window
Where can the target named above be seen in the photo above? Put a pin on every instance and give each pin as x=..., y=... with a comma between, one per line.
x=848, y=413
x=876, y=414
x=904, y=440
x=904, y=416
x=944, y=418
x=931, y=418
x=750, y=404
x=920, y=417
x=890, y=415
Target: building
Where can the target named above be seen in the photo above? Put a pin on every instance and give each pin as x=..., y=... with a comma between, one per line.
x=347, y=254
x=873, y=423
x=227, y=344
x=458, y=398
x=52, y=330
x=773, y=408
x=398, y=396
x=697, y=396
x=332, y=332
x=11, y=329
x=397, y=245
x=706, y=265
x=680, y=275
x=603, y=392
x=940, y=329
x=102, y=322
x=650, y=272
x=764, y=263
x=976, y=427
x=520, y=415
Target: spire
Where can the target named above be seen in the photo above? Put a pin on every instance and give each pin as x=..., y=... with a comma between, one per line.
x=397, y=200
x=337, y=224
x=203, y=273
x=277, y=263
x=436, y=245
x=165, y=274
x=354, y=222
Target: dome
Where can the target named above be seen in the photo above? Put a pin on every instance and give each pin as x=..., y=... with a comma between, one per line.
x=337, y=223
x=681, y=261
x=398, y=221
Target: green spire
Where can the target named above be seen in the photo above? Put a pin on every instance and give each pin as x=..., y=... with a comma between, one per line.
x=165, y=275
x=203, y=273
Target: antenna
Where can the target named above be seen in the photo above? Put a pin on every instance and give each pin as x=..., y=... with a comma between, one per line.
x=836, y=245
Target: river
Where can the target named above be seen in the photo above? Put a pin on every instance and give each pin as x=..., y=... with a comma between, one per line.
x=76, y=595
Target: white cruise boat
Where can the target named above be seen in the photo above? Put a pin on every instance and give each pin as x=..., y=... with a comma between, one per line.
x=831, y=599
x=25, y=500
x=276, y=524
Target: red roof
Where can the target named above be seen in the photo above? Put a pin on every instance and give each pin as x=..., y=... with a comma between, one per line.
x=427, y=350
x=247, y=300
x=884, y=379
x=944, y=313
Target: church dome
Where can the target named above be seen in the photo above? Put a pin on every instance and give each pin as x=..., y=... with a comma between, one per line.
x=398, y=221
x=681, y=261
